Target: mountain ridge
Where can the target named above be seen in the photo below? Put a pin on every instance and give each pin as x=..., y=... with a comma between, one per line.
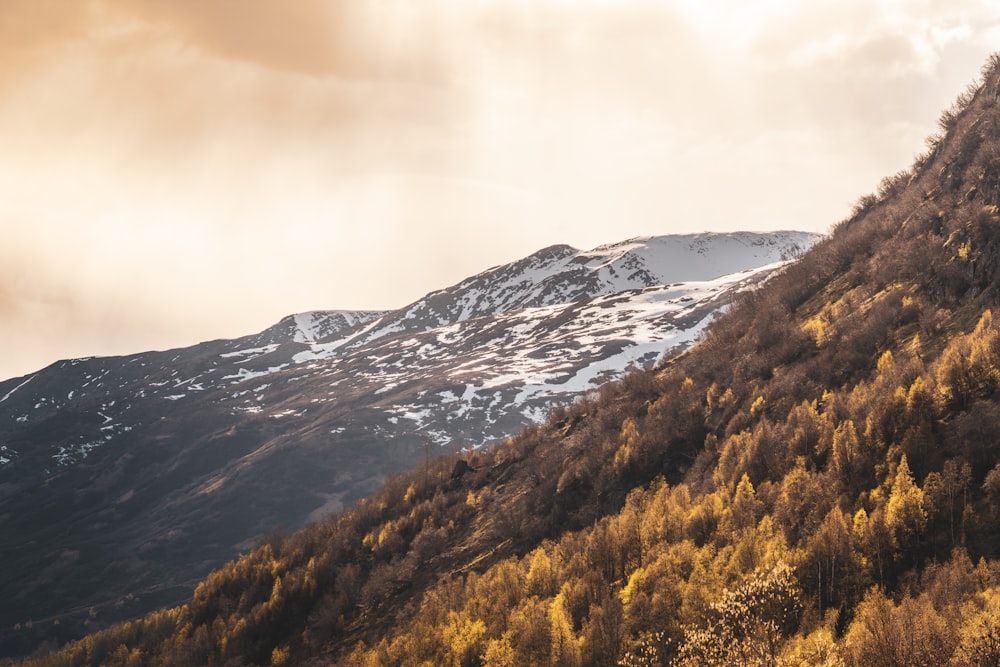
x=561, y=273
x=181, y=458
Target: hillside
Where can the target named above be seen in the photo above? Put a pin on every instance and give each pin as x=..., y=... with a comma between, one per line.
x=125, y=481
x=816, y=483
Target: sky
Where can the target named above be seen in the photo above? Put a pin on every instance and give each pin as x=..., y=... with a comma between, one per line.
x=181, y=170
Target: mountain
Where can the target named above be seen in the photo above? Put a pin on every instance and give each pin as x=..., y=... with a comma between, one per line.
x=126, y=480
x=817, y=482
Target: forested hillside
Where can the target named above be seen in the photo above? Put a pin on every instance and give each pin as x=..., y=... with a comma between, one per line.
x=817, y=482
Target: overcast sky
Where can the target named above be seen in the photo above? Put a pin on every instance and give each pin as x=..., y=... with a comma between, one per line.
x=181, y=170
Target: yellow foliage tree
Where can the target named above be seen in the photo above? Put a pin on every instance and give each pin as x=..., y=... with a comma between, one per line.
x=463, y=639
x=499, y=653
x=565, y=645
x=540, y=578
x=746, y=508
x=905, y=514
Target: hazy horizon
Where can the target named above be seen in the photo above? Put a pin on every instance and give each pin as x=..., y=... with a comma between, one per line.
x=184, y=171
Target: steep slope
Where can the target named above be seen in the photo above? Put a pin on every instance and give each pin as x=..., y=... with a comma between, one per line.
x=125, y=480
x=816, y=483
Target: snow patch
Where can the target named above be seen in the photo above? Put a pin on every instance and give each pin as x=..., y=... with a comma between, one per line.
x=251, y=352
x=245, y=374
x=11, y=392
x=287, y=413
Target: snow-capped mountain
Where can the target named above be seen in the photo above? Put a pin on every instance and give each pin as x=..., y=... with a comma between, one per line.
x=561, y=274
x=123, y=480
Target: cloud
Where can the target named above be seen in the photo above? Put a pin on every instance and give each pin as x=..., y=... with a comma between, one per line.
x=32, y=26
x=317, y=37
x=358, y=39
x=235, y=160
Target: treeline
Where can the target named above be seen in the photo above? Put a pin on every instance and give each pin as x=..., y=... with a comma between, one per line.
x=816, y=483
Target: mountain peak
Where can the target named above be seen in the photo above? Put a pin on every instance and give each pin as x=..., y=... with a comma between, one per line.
x=562, y=274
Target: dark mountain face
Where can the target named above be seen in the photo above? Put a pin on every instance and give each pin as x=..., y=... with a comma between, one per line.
x=123, y=481
x=817, y=483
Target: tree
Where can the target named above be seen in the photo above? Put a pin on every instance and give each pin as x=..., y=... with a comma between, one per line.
x=541, y=580
x=746, y=626
x=463, y=638
x=830, y=560
x=875, y=540
x=886, y=635
x=905, y=514
x=746, y=508
x=944, y=490
x=565, y=645
x=979, y=644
